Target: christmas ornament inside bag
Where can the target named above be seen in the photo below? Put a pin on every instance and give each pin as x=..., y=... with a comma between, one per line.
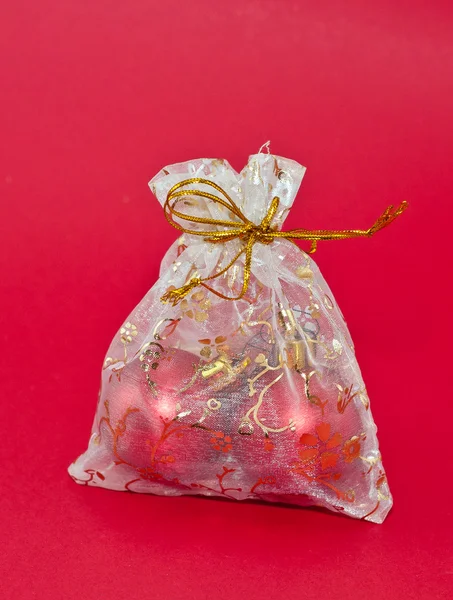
x=236, y=375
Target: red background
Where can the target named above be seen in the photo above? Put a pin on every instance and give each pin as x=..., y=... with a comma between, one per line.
x=95, y=98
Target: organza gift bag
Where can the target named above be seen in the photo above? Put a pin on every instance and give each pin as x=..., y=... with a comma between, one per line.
x=236, y=375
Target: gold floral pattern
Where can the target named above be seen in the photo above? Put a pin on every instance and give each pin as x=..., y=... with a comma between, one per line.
x=197, y=307
x=128, y=332
x=218, y=344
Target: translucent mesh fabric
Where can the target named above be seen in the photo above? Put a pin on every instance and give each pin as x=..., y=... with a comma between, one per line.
x=258, y=398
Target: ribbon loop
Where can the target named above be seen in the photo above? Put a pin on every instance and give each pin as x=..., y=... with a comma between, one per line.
x=247, y=231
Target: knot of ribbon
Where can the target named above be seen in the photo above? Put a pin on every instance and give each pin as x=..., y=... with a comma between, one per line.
x=248, y=232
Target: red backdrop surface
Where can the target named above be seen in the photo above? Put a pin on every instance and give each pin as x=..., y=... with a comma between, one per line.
x=95, y=98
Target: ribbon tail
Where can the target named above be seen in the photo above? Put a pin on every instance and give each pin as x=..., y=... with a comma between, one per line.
x=387, y=217
x=174, y=297
x=313, y=247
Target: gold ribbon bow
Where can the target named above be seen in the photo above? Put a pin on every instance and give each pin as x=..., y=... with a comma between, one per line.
x=249, y=232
